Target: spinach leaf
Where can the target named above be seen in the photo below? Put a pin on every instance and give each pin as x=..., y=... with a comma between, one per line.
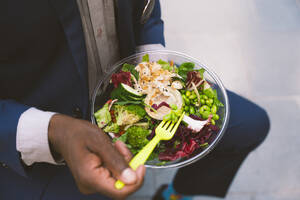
x=201, y=71
x=184, y=68
x=131, y=68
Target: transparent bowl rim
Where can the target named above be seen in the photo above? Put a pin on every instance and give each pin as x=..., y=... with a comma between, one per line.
x=209, y=71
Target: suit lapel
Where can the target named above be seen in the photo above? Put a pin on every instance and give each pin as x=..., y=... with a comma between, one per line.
x=69, y=17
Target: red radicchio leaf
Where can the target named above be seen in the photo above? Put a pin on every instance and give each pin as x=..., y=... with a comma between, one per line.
x=185, y=150
x=188, y=141
x=156, y=107
x=171, y=157
x=121, y=77
x=190, y=147
x=195, y=77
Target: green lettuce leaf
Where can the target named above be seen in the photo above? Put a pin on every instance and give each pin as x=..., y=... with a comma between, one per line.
x=103, y=116
x=145, y=58
x=112, y=127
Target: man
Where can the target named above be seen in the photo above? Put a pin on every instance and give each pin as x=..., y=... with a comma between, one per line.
x=47, y=150
x=43, y=67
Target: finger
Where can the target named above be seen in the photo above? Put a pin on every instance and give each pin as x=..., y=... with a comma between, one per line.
x=83, y=172
x=112, y=159
x=106, y=185
x=122, y=148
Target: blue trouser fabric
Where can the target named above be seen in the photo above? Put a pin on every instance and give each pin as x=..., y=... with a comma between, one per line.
x=248, y=127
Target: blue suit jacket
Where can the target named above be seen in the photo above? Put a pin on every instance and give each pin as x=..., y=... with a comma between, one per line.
x=43, y=64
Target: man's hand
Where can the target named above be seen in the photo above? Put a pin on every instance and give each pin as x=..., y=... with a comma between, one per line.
x=93, y=160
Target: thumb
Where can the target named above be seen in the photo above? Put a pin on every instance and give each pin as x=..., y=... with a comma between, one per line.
x=128, y=176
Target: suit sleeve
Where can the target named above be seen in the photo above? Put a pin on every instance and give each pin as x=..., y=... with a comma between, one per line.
x=152, y=32
x=10, y=112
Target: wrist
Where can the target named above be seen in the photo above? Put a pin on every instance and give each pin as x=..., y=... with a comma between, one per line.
x=56, y=135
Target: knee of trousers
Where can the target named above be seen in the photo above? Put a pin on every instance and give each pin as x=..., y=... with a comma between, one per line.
x=255, y=128
x=247, y=132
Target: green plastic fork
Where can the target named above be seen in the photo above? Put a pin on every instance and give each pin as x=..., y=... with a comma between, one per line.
x=164, y=131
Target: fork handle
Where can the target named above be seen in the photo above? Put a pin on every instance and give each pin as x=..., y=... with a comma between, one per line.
x=140, y=158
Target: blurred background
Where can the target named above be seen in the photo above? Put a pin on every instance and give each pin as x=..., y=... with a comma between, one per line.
x=254, y=47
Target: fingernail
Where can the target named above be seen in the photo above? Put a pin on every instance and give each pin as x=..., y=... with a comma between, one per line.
x=128, y=175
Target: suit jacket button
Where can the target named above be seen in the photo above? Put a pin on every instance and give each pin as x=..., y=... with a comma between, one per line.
x=4, y=165
x=77, y=113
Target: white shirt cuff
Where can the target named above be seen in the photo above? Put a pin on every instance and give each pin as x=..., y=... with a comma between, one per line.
x=32, y=137
x=149, y=47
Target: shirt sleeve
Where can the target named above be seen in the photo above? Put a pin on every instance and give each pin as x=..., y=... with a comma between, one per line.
x=149, y=47
x=32, y=136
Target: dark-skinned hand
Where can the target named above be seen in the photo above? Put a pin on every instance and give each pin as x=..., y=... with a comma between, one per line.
x=94, y=161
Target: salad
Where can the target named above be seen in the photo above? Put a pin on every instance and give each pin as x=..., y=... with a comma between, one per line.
x=149, y=92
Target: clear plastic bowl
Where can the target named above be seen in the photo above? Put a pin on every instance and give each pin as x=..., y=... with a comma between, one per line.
x=104, y=87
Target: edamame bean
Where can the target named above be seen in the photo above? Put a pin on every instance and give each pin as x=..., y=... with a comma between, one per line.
x=167, y=117
x=216, y=117
x=214, y=109
x=193, y=96
x=188, y=93
x=192, y=110
x=211, y=101
x=173, y=116
x=178, y=113
x=186, y=108
x=201, y=110
x=213, y=122
x=205, y=107
x=187, y=101
x=206, y=114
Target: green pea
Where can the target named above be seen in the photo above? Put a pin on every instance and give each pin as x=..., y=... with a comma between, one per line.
x=188, y=93
x=213, y=122
x=183, y=96
x=205, y=97
x=202, y=101
x=214, y=109
x=206, y=114
x=216, y=117
x=192, y=110
x=186, y=108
